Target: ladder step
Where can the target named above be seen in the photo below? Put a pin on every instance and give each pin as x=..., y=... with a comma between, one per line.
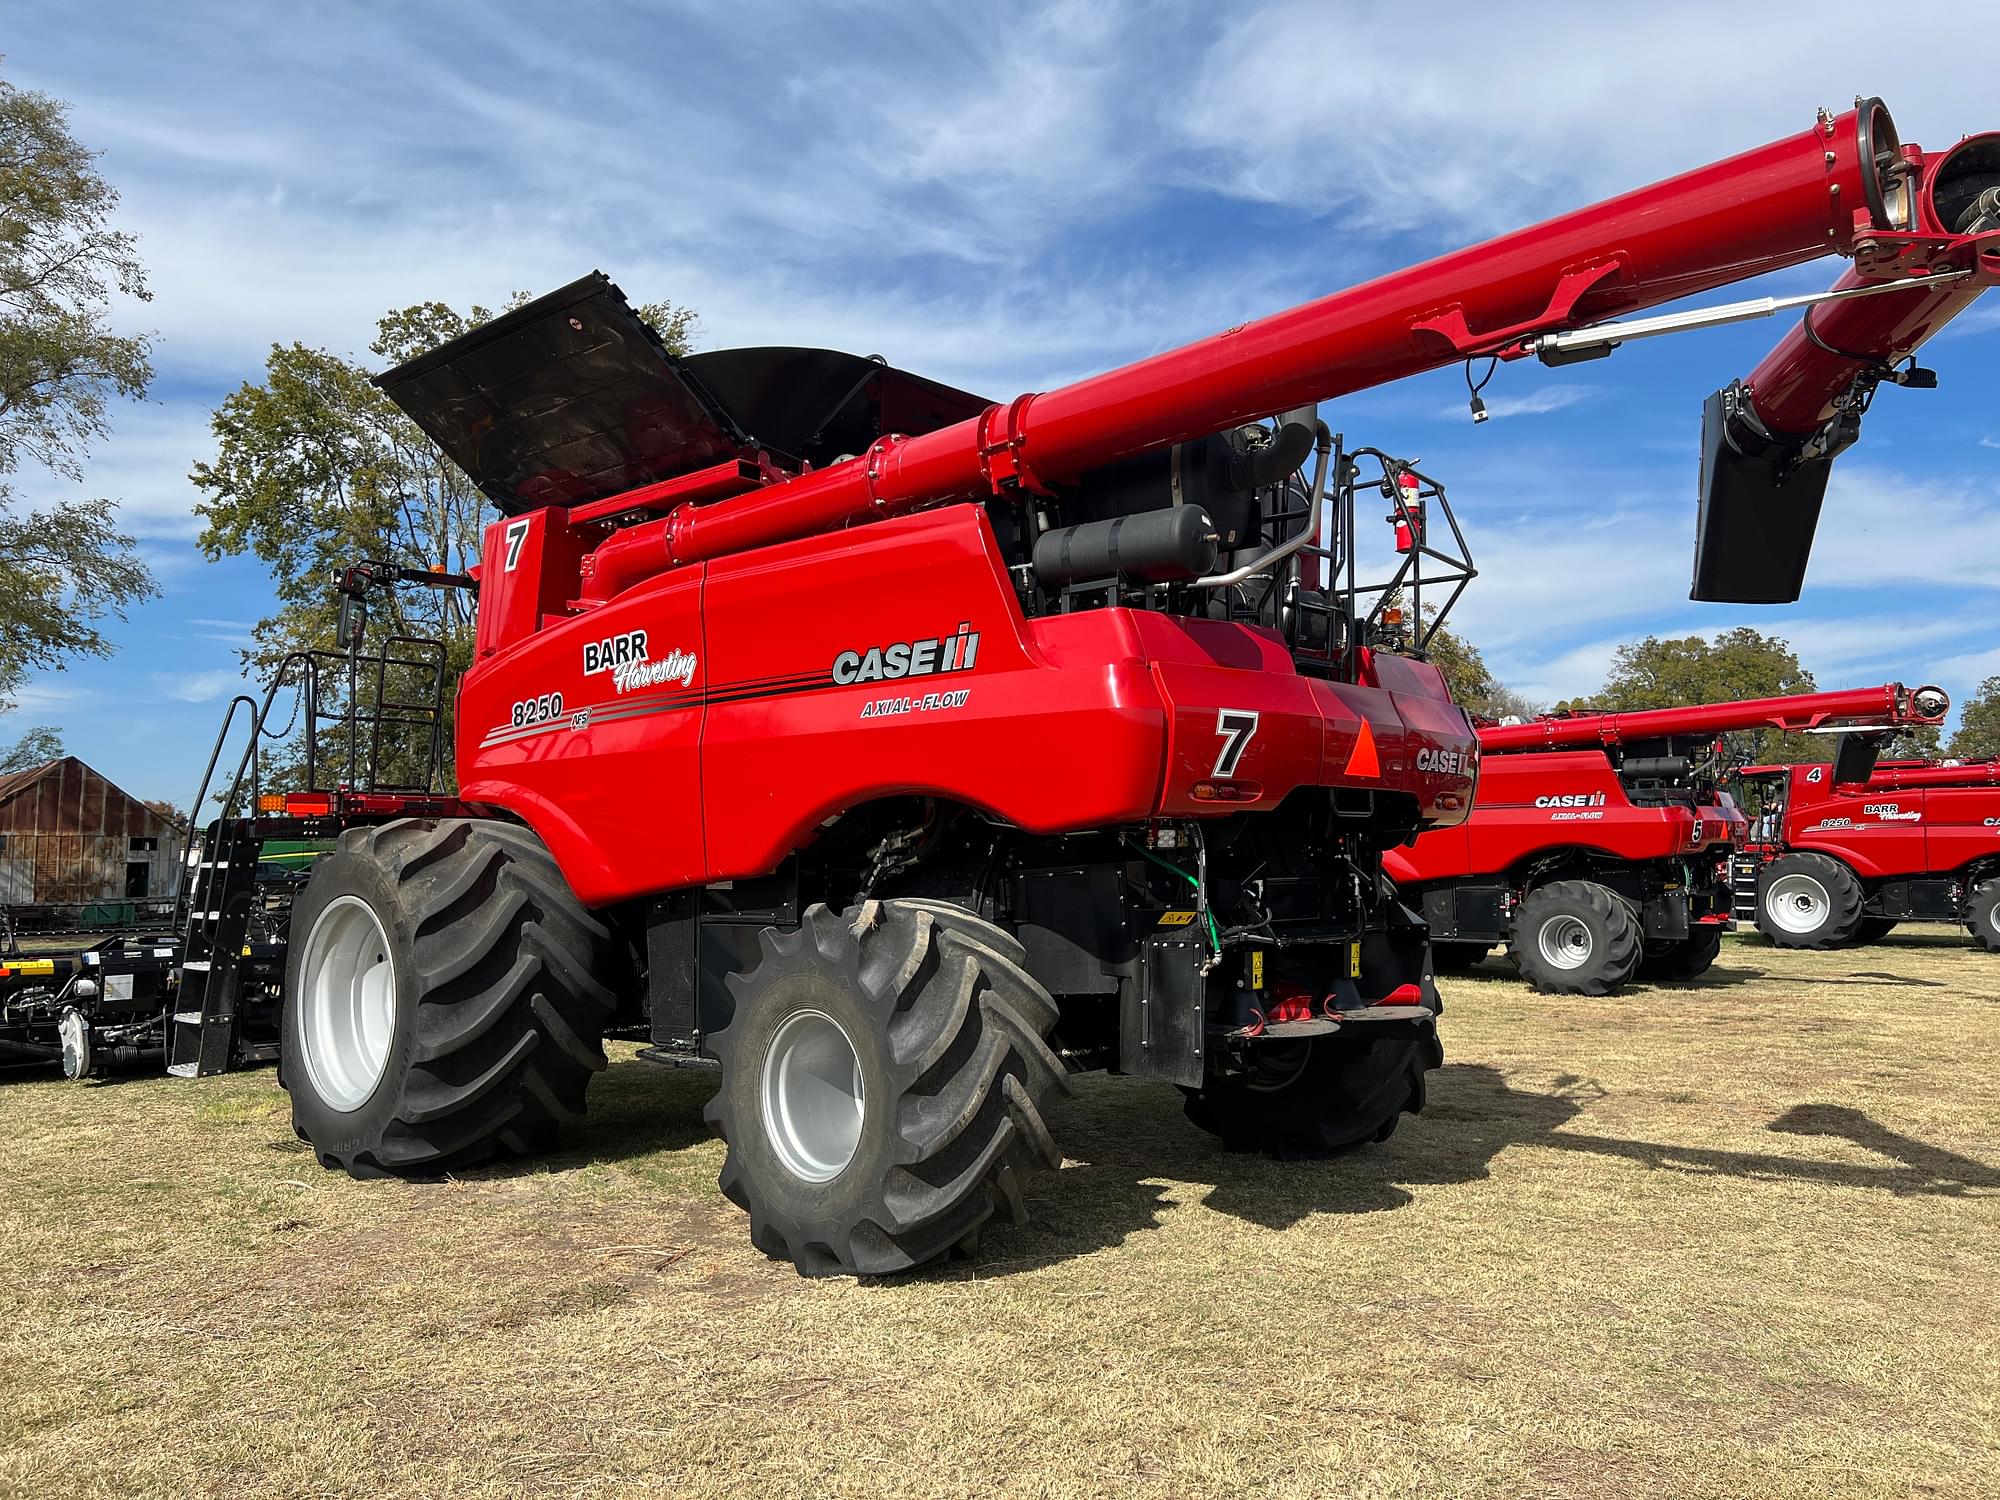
x=187, y=1018
x=182, y=1070
x=196, y=963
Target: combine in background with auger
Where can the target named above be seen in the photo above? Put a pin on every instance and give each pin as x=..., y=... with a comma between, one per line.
x=1599, y=847
x=1841, y=852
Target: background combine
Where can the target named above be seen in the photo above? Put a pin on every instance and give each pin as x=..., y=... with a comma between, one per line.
x=1599, y=848
x=1840, y=852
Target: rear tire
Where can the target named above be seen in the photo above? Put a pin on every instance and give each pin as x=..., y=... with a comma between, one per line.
x=443, y=999
x=884, y=1074
x=1984, y=915
x=1576, y=937
x=1687, y=959
x=1808, y=901
x=1317, y=1098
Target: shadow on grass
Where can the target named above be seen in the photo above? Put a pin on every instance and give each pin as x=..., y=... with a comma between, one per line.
x=1716, y=977
x=1870, y=977
x=1123, y=1136
x=638, y=1108
x=1127, y=1133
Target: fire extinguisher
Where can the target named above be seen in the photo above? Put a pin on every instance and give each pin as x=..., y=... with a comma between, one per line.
x=1408, y=518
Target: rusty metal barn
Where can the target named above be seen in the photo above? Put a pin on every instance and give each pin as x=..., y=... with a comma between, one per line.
x=69, y=835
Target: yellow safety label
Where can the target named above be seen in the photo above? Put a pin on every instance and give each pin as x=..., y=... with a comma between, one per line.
x=1256, y=968
x=1176, y=918
x=30, y=966
x=1353, y=960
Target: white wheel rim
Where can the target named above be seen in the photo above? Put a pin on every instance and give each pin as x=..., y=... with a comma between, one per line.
x=1797, y=903
x=813, y=1097
x=1565, y=942
x=347, y=1002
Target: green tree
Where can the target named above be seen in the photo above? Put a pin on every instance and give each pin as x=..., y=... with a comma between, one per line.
x=1979, y=724
x=315, y=469
x=1916, y=742
x=64, y=564
x=1682, y=671
x=37, y=747
x=1471, y=681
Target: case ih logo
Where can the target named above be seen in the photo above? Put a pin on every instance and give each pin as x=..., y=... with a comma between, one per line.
x=1445, y=762
x=951, y=653
x=1572, y=799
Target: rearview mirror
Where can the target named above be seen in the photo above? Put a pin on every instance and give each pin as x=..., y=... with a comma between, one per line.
x=352, y=623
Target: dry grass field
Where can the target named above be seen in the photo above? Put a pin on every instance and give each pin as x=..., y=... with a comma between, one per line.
x=1739, y=1239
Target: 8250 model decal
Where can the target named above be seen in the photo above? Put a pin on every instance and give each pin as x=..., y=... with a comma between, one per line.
x=542, y=710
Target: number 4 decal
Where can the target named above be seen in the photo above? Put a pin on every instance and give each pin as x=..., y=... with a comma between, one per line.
x=517, y=534
x=1237, y=726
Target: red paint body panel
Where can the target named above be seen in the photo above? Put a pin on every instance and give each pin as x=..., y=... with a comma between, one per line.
x=1088, y=720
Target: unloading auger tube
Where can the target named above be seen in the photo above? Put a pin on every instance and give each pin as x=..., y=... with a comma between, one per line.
x=1819, y=192
x=1886, y=707
x=1914, y=778
x=1769, y=440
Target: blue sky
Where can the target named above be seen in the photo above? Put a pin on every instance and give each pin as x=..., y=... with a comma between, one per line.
x=1007, y=198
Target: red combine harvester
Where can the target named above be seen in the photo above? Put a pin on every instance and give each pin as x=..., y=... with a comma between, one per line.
x=1842, y=851
x=902, y=752
x=1599, y=846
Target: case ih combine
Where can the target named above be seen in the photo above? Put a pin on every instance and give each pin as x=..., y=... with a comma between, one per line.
x=1599, y=847
x=1843, y=851
x=902, y=751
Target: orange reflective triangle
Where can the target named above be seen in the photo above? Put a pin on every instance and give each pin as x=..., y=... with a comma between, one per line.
x=1362, y=761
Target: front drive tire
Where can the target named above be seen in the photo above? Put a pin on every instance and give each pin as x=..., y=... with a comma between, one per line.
x=1808, y=901
x=443, y=998
x=1983, y=914
x=1576, y=937
x=884, y=1075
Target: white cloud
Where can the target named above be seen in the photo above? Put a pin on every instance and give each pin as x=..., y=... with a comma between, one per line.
x=143, y=466
x=1488, y=129
x=47, y=697
x=198, y=687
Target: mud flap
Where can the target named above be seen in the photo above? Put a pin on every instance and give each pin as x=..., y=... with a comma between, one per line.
x=1162, y=1012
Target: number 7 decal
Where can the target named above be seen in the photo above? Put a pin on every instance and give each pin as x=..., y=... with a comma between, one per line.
x=517, y=533
x=1237, y=726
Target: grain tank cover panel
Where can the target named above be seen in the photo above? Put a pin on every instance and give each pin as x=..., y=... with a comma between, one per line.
x=818, y=404
x=569, y=398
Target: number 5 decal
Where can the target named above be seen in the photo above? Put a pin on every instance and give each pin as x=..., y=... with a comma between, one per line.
x=1237, y=726
x=517, y=533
